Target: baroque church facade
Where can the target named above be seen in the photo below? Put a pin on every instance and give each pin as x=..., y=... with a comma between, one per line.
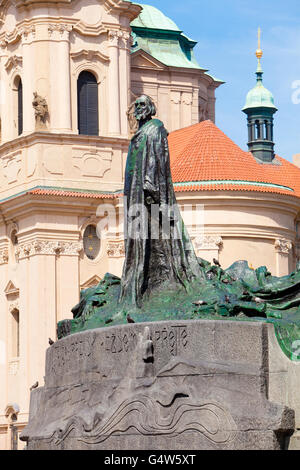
x=69, y=73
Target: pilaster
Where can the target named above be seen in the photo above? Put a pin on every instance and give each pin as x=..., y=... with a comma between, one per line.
x=283, y=248
x=208, y=246
x=114, y=83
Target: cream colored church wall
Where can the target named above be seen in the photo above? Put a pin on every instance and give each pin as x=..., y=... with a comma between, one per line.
x=49, y=47
x=182, y=98
x=245, y=226
x=3, y=355
x=258, y=252
x=45, y=273
x=50, y=160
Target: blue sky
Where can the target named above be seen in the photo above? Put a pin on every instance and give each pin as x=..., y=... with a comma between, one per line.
x=226, y=31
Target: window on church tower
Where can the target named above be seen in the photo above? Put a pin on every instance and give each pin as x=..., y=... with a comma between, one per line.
x=15, y=333
x=20, y=107
x=257, y=134
x=87, y=98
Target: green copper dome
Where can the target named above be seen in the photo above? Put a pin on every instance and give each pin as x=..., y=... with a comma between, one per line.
x=151, y=17
x=156, y=34
x=259, y=96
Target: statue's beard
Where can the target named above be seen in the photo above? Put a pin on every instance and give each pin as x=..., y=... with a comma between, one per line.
x=141, y=115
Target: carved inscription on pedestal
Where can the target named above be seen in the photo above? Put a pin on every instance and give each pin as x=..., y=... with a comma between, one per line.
x=69, y=357
x=82, y=352
x=120, y=342
x=174, y=338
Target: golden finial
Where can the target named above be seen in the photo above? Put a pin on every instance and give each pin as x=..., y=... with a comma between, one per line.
x=259, y=52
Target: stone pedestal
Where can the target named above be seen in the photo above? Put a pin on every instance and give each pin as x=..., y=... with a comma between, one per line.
x=163, y=386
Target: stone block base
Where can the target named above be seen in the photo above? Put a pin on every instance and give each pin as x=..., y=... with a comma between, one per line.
x=160, y=386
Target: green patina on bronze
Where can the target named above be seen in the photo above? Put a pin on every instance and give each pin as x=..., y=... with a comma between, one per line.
x=162, y=277
x=237, y=293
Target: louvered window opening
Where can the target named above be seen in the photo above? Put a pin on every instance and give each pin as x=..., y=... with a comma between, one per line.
x=91, y=242
x=87, y=95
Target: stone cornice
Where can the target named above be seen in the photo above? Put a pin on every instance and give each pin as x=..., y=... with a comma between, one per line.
x=283, y=202
x=13, y=62
x=89, y=30
x=89, y=55
x=48, y=137
x=128, y=9
x=48, y=247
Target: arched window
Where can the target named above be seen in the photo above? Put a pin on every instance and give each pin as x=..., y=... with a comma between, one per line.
x=267, y=128
x=15, y=332
x=20, y=107
x=17, y=105
x=87, y=99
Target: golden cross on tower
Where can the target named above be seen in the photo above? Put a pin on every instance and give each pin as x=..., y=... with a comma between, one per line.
x=259, y=52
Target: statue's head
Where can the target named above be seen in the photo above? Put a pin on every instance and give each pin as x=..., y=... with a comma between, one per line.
x=144, y=108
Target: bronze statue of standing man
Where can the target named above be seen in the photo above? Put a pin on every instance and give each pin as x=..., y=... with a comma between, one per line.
x=158, y=251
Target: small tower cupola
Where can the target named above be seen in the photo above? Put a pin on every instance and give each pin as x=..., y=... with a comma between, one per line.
x=260, y=109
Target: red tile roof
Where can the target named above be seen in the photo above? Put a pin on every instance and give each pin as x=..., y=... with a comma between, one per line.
x=70, y=193
x=202, y=156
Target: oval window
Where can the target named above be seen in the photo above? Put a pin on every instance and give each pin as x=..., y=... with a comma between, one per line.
x=91, y=242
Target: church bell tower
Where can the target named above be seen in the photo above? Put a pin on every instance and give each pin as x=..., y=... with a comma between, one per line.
x=260, y=109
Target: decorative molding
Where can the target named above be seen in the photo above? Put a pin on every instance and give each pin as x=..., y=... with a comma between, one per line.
x=11, y=165
x=48, y=247
x=94, y=163
x=12, y=408
x=113, y=38
x=92, y=220
x=89, y=30
x=187, y=98
x=141, y=59
x=115, y=249
x=13, y=62
x=11, y=289
x=283, y=246
x=26, y=31
x=4, y=256
x=208, y=242
x=175, y=97
x=92, y=282
x=115, y=35
x=126, y=40
x=14, y=306
x=89, y=55
x=60, y=28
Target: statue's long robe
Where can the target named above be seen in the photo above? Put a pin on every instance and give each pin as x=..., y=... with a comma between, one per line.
x=150, y=262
